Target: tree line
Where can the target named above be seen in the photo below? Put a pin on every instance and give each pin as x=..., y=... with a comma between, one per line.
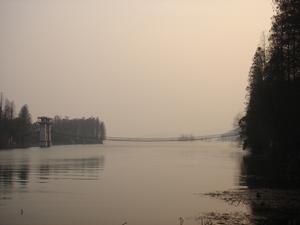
x=272, y=120
x=15, y=131
x=77, y=131
x=18, y=131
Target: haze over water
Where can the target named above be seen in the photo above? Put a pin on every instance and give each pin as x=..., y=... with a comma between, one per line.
x=147, y=68
x=133, y=104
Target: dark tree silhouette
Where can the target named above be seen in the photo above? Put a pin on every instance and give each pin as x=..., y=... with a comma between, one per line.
x=24, y=115
x=77, y=131
x=272, y=122
x=102, y=131
x=14, y=132
x=19, y=132
x=24, y=126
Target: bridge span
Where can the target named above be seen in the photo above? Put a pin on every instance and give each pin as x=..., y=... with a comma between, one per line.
x=224, y=136
x=45, y=133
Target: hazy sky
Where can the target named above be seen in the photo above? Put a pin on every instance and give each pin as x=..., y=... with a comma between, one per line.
x=145, y=67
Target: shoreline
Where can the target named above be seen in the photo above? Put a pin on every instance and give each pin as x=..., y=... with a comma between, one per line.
x=267, y=206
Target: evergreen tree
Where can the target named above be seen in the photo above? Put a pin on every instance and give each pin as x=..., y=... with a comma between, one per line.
x=253, y=124
x=24, y=127
x=24, y=115
x=272, y=121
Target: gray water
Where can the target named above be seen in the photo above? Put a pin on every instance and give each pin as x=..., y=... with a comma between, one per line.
x=137, y=183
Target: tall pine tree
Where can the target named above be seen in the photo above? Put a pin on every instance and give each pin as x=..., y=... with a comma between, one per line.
x=272, y=121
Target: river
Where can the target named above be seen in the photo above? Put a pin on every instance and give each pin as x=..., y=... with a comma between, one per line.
x=118, y=182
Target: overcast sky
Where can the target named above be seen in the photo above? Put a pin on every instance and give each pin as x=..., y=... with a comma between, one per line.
x=145, y=67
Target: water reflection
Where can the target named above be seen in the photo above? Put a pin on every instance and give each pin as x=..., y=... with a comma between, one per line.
x=77, y=168
x=273, y=189
x=117, y=182
x=9, y=174
x=13, y=172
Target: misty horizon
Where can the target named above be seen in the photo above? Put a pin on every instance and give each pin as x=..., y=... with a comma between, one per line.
x=159, y=68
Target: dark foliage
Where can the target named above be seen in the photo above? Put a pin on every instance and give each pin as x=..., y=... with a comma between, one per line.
x=77, y=131
x=14, y=131
x=272, y=120
x=20, y=132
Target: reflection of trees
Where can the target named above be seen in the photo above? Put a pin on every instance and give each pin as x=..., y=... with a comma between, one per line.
x=23, y=174
x=44, y=171
x=6, y=175
x=9, y=174
x=270, y=172
x=271, y=124
x=273, y=188
x=76, y=168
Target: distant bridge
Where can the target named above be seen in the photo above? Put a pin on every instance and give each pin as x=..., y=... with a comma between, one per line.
x=45, y=133
x=224, y=136
x=212, y=137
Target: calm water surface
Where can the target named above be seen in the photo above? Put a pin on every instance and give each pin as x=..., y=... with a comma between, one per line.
x=141, y=183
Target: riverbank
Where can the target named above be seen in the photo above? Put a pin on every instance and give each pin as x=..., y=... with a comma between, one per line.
x=267, y=206
x=271, y=192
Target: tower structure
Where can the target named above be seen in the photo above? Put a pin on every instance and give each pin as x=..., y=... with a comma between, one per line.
x=45, y=131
